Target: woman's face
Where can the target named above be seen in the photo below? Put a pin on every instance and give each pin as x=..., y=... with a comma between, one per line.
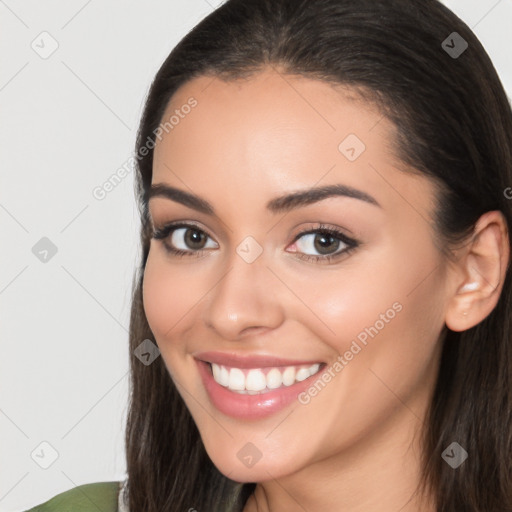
x=265, y=297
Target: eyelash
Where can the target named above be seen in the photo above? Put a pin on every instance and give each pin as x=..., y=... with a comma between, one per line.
x=165, y=231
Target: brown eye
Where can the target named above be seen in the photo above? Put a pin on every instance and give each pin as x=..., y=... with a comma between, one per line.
x=190, y=238
x=194, y=238
x=321, y=242
x=324, y=243
x=184, y=239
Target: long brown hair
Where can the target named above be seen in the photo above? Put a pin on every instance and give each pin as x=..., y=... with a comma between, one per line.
x=454, y=124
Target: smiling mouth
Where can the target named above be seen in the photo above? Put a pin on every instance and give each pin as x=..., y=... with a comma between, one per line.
x=252, y=381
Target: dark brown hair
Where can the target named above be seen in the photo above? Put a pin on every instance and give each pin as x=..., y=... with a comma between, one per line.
x=454, y=124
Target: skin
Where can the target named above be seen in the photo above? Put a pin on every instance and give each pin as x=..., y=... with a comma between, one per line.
x=356, y=445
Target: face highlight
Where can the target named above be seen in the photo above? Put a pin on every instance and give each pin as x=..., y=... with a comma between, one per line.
x=292, y=258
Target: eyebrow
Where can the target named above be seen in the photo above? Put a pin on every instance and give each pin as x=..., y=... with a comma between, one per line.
x=279, y=204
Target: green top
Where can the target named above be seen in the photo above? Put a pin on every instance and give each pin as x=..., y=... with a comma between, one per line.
x=94, y=497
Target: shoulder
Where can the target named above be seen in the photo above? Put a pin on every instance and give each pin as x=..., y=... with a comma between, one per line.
x=84, y=498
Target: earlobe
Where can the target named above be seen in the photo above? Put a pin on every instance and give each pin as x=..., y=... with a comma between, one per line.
x=483, y=265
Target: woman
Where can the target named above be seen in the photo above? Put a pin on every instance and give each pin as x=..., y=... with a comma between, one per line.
x=324, y=190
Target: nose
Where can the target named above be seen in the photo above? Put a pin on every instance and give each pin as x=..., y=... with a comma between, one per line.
x=244, y=300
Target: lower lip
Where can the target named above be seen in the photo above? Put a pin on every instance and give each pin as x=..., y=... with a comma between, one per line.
x=250, y=407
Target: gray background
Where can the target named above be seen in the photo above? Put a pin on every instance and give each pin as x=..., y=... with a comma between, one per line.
x=68, y=123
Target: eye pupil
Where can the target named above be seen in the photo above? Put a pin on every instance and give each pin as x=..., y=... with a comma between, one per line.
x=323, y=241
x=194, y=238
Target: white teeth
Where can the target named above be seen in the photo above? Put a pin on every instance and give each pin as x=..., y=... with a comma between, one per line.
x=302, y=374
x=289, y=376
x=313, y=369
x=274, y=379
x=216, y=372
x=223, y=377
x=236, y=379
x=254, y=380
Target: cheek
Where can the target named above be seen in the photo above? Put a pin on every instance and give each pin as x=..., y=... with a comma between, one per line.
x=169, y=295
x=385, y=326
x=394, y=313
x=410, y=275
x=338, y=304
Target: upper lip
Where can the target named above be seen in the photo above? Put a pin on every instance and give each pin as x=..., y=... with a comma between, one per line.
x=250, y=361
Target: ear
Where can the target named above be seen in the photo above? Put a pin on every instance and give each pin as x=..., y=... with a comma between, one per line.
x=481, y=269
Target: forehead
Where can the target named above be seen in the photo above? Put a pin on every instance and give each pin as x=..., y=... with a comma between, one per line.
x=272, y=108
x=272, y=132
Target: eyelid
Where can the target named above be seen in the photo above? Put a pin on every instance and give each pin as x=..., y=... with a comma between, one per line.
x=325, y=228
x=169, y=227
